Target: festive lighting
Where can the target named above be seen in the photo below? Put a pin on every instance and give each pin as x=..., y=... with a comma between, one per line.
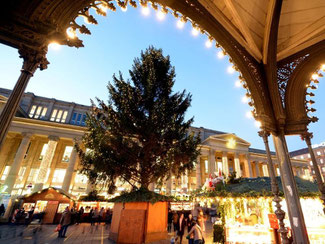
x=103, y=7
x=249, y=114
x=258, y=124
x=237, y=83
x=145, y=11
x=161, y=15
x=220, y=54
x=180, y=24
x=244, y=99
x=55, y=46
x=315, y=76
x=124, y=9
x=208, y=43
x=71, y=33
x=230, y=70
x=195, y=31
x=322, y=67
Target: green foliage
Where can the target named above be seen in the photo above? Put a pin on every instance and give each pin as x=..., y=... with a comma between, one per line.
x=219, y=234
x=140, y=135
x=259, y=187
x=142, y=195
x=232, y=178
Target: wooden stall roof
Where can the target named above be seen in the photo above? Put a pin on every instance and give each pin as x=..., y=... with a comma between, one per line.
x=49, y=194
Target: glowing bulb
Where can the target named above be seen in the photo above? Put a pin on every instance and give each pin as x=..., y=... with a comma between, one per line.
x=238, y=83
x=220, y=54
x=322, y=67
x=315, y=76
x=71, y=33
x=55, y=46
x=124, y=9
x=208, y=43
x=249, y=114
x=244, y=99
x=180, y=24
x=145, y=11
x=230, y=70
x=86, y=20
x=258, y=124
x=103, y=7
x=195, y=31
x=161, y=15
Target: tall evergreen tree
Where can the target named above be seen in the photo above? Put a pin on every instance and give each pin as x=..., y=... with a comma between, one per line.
x=141, y=134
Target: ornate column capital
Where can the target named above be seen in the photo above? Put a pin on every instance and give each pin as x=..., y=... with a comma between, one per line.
x=306, y=136
x=27, y=135
x=53, y=138
x=264, y=134
x=33, y=59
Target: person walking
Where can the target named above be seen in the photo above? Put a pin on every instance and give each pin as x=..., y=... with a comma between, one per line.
x=191, y=236
x=2, y=210
x=100, y=215
x=181, y=227
x=94, y=217
x=175, y=221
x=79, y=215
x=169, y=220
x=200, y=220
x=198, y=235
x=64, y=222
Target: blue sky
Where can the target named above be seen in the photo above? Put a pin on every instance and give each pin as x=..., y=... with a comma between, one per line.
x=76, y=75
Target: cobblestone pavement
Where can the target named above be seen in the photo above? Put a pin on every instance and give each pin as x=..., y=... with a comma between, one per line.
x=76, y=234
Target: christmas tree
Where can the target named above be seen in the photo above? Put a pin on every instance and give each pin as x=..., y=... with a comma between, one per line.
x=140, y=135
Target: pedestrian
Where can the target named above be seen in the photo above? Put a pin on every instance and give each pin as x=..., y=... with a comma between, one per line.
x=191, y=236
x=107, y=216
x=200, y=220
x=94, y=217
x=189, y=222
x=213, y=213
x=169, y=220
x=100, y=215
x=64, y=222
x=198, y=234
x=79, y=215
x=181, y=227
x=175, y=221
x=2, y=209
x=90, y=216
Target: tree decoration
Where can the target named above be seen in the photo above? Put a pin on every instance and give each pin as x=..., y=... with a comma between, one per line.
x=141, y=134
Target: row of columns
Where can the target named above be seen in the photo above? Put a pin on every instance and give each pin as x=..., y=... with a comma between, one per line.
x=44, y=165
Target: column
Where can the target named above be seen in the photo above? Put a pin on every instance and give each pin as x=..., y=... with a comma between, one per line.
x=198, y=173
x=237, y=166
x=50, y=109
x=265, y=170
x=19, y=157
x=320, y=181
x=71, y=108
x=225, y=167
x=32, y=60
x=296, y=217
x=212, y=162
x=257, y=170
x=69, y=172
x=46, y=162
x=248, y=166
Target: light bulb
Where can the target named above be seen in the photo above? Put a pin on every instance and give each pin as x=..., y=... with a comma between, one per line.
x=208, y=43
x=220, y=54
x=315, y=76
x=195, y=31
x=230, y=70
x=145, y=11
x=103, y=7
x=244, y=99
x=71, y=33
x=86, y=20
x=258, y=124
x=249, y=114
x=322, y=67
x=237, y=83
x=55, y=46
x=124, y=9
x=161, y=15
x=180, y=24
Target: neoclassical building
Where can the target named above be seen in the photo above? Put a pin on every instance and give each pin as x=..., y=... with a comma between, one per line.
x=38, y=151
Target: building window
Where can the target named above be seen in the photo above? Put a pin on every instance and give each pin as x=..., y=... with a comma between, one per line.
x=311, y=162
x=41, y=156
x=78, y=119
x=318, y=153
x=302, y=157
x=32, y=175
x=81, y=178
x=308, y=155
x=59, y=115
x=321, y=161
x=58, y=175
x=67, y=154
x=206, y=166
x=21, y=173
x=37, y=112
x=323, y=169
x=5, y=172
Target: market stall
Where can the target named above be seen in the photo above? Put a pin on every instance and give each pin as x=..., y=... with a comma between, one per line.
x=52, y=201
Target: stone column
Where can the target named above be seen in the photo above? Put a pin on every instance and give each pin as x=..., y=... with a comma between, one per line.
x=69, y=172
x=19, y=157
x=50, y=109
x=257, y=169
x=265, y=170
x=198, y=173
x=320, y=181
x=46, y=162
x=249, y=166
x=237, y=166
x=296, y=217
x=212, y=161
x=71, y=108
x=32, y=60
x=225, y=167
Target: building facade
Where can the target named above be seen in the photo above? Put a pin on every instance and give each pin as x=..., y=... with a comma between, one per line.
x=38, y=152
x=319, y=151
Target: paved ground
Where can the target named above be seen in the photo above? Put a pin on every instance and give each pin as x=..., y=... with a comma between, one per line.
x=76, y=234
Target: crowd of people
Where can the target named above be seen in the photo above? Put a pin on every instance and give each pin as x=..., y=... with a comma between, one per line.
x=192, y=223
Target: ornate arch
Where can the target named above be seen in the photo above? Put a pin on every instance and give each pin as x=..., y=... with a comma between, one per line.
x=297, y=86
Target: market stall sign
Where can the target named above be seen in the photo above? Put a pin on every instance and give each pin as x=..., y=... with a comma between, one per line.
x=274, y=224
